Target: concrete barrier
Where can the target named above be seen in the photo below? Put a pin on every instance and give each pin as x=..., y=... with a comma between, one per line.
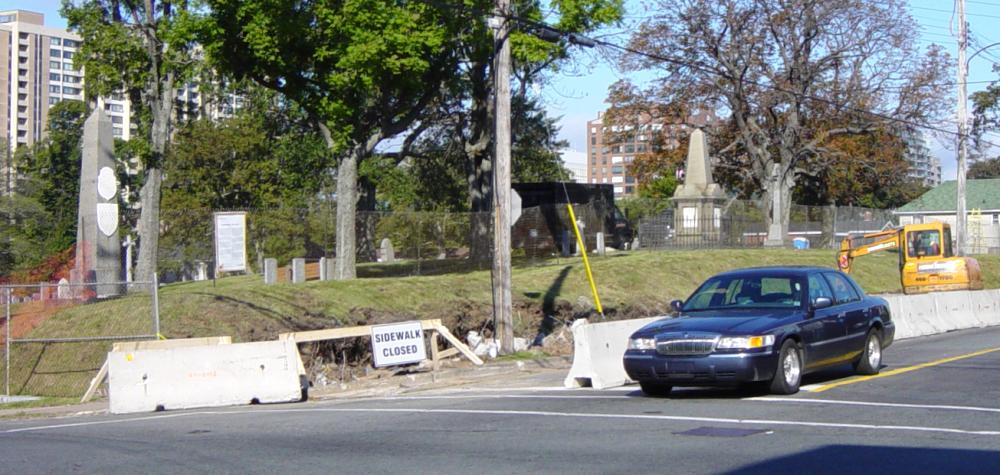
x=203, y=376
x=940, y=312
x=598, y=349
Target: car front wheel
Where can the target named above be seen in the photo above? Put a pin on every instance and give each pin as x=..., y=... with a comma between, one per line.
x=655, y=389
x=788, y=375
x=871, y=357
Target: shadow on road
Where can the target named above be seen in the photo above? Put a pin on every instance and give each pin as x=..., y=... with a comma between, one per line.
x=856, y=459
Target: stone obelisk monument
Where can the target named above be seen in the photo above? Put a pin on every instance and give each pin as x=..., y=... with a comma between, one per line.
x=98, y=252
x=698, y=202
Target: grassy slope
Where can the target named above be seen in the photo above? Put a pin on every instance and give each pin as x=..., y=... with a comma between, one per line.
x=630, y=284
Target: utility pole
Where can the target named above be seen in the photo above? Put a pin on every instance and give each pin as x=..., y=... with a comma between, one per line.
x=502, y=304
x=963, y=136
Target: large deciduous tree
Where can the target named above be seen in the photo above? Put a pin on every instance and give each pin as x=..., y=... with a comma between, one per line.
x=471, y=113
x=789, y=77
x=142, y=50
x=365, y=71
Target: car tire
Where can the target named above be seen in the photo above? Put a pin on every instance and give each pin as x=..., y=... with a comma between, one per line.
x=788, y=374
x=871, y=357
x=651, y=388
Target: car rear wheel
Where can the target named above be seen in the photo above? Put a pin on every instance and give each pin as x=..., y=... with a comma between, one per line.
x=655, y=389
x=871, y=358
x=788, y=375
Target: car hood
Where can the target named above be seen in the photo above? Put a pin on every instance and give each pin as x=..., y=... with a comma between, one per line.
x=743, y=322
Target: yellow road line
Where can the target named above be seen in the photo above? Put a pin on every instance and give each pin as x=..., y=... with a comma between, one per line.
x=906, y=369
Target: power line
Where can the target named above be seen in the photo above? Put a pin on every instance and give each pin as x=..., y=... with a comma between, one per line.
x=773, y=87
x=981, y=15
x=547, y=30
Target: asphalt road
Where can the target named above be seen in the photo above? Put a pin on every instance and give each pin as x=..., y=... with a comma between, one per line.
x=928, y=412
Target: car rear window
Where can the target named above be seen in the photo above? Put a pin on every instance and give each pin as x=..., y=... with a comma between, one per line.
x=734, y=292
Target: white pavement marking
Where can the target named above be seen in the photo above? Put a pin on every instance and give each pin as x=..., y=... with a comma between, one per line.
x=499, y=396
x=876, y=404
x=582, y=415
x=547, y=388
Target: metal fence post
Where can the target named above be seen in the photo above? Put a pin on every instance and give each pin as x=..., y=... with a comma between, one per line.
x=156, y=305
x=6, y=343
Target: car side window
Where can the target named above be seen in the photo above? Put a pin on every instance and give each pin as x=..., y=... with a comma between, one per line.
x=843, y=291
x=819, y=288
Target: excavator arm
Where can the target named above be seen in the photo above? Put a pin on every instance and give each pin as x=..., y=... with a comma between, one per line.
x=860, y=245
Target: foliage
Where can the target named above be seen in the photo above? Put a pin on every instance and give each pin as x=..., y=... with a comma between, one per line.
x=265, y=158
x=791, y=77
x=985, y=169
x=39, y=220
x=143, y=51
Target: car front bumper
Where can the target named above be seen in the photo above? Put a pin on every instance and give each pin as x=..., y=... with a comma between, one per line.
x=706, y=370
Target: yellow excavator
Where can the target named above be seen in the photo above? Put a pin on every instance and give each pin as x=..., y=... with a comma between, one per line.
x=926, y=261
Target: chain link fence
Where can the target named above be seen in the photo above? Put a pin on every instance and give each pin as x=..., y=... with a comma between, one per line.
x=743, y=224
x=53, y=343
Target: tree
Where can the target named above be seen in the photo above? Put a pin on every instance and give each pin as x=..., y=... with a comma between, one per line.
x=985, y=169
x=364, y=70
x=790, y=76
x=144, y=51
x=50, y=172
x=264, y=158
x=470, y=109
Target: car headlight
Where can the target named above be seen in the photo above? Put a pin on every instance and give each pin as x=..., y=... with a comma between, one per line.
x=642, y=343
x=745, y=342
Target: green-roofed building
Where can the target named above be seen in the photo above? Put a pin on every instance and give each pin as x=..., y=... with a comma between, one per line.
x=982, y=203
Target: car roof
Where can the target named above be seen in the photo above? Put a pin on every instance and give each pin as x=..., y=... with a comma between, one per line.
x=777, y=270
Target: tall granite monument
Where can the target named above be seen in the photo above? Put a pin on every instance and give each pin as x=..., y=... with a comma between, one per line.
x=698, y=202
x=98, y=252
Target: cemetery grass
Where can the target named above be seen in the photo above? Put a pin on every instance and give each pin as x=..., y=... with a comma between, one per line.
x=631, y=285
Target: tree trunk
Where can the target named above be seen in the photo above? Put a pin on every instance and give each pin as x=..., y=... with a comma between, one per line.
x=367, y=221
x=149, y=196
x=479, y=167
x=149, y=225
x=347, y=198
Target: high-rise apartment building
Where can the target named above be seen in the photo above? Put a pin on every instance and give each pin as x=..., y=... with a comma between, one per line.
x=36, y=71
x=610, y=148
x=923, y=165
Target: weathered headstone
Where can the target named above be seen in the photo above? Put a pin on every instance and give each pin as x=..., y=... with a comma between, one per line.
x=323, y=275
x=331, y=267
x=98, y=253
x=566, y=242
x=298, y=270
x=600, y=244
x=201, y=271
x=270, y=270
x=388, y=254
x=62, y=290
x=635, y=244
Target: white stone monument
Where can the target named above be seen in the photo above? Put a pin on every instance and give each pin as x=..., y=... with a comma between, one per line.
x=698, y=201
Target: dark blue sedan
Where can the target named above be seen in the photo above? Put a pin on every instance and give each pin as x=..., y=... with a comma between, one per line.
x=768, y=324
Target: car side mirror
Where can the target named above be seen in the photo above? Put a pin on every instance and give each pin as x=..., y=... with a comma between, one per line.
x=821, y=302
x=676, y=306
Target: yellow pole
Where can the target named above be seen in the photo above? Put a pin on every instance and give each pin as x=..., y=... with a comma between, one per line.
x=586, y=262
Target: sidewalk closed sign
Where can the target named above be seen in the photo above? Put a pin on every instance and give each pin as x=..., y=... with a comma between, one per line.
x=397, y=344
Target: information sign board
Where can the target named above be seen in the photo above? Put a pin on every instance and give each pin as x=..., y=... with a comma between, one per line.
x=230, y=242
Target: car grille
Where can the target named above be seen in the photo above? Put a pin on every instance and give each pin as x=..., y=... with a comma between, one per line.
x=686, y=346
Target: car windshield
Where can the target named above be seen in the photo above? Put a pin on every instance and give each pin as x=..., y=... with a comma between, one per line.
x=746, y=292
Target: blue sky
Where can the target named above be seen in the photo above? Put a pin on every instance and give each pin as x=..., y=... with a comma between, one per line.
x=576, y=95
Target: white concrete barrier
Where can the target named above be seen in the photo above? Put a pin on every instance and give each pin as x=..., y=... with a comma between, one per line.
x=940, y=312
x=598, y=349
x=203, y=376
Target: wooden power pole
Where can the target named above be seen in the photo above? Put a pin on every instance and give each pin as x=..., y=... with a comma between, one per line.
x=502, y=304
x=963, y=134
